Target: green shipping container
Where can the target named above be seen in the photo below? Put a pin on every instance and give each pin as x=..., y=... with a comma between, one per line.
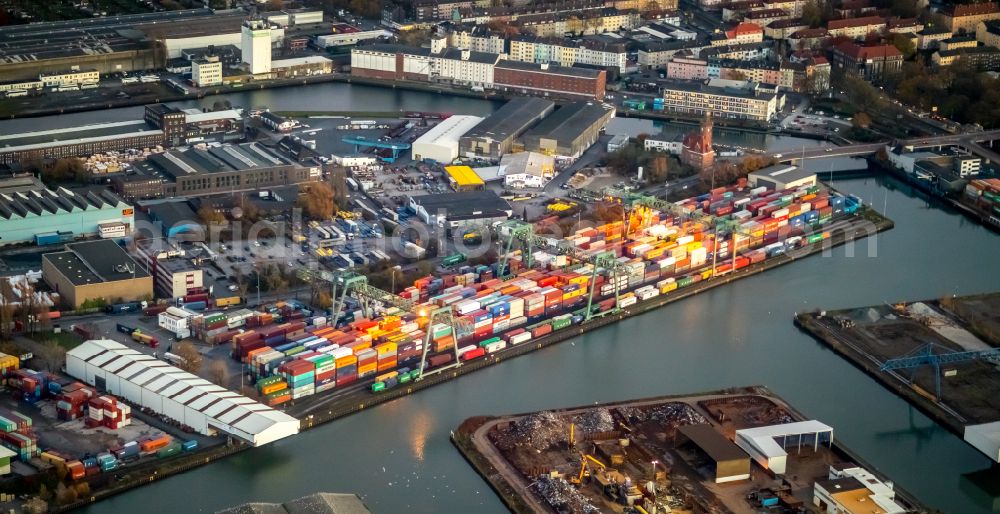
x=815, y=238
x=277, y=394
x=684, y=281
x=171, y=449
x=378, y=386
x=559, y=324
x=489, y=341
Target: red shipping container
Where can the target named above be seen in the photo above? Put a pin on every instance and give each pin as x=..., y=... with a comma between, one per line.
x=472, y=354
x=541, y=331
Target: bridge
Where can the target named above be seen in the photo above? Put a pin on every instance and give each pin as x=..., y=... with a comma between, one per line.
x=362, y=142
x=972, y=141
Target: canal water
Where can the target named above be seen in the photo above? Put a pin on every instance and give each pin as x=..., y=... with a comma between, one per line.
x=398, y=456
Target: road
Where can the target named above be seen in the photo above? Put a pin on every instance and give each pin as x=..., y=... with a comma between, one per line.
x=970, y=140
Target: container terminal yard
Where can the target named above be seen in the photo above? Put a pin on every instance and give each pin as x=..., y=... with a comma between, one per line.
x=940, y=355
x=742, y=450
x=381, y=345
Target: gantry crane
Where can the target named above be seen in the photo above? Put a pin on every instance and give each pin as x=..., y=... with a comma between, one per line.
x=721, y=225
x=350, y=283
x=523, y=233
x=436, y=316
x=934, y=355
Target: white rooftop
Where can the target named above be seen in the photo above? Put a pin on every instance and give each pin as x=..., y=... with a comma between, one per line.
x=449, y=130
x=298, y=61
x=985, y=437
x=763, y=438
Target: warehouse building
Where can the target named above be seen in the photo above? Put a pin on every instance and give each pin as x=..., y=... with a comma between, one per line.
x=463, y=178
x=452, y=211
x=185, y=398
x=985, y=437
x=93, y=270
x=550, y=80
x=29, y=212
x=855, y=490
x=570, y=131
x=730, y=462
x=782, y=176
x=441, y=142
x=527, y=169
x=494, y=136
x=174, y=273
x=318, y=503
x=223, y=168
x=762, y=442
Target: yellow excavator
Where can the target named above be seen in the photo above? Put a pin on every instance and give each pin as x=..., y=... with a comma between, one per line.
x=585, y=460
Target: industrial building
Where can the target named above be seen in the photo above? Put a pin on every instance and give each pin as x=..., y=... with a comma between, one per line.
x=255, y=43
x=463, y=178
x=187, y=399
x=855, y=490
x=495, y=135
x=161, y=125
x=223, y=168
x=174, y=273
x=452, y=211
x=985, y=437
x=438, y=64
x=527, y=169
x=94, y=270
x=175, y=218
x=730, y=462
x=550, y=80
x=570, y=130
x=301, y=67
x=29, y=212
x=206, y=72
x=319, y=503
x=782, y=176
x=762, y=442
x=440, y=143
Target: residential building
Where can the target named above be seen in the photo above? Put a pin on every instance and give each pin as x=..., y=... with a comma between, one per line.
x=687, y=68
x=966, y=17
x=720, y=99
x=930, y=38
x=69, y=78
x=657, y=54
x=783, y=29
x=742, y=33
x=757, y=71
x=808, y=75
x=808, y=38
x=579, y=22
x=988, y=33
x=958, y=42
x=95, y=270
x=206, y=72
x=748, y=52
x=982, y=58
x=478, y=38
x=764, y=17
x=568, y=52
x=873, y=63
x=550, y=80
x=672, y=146
x=904, y=26
x=856, y=28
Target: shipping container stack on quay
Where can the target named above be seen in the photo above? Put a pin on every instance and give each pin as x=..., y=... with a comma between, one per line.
x=539, y=286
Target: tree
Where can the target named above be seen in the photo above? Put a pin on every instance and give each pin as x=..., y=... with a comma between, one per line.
x=275, y=5
x=415, y=37
x=861, y=120
x=210, y=216
x=218, y=373
x=192, y=357
x=36, y=505
x=65, y=495
x=812, y=13
x=52, y=355
x=904, y=44
x=317, y=201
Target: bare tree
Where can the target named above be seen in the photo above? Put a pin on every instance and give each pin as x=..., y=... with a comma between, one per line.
x=218, y=373
x=52, y=355
x=192, y=357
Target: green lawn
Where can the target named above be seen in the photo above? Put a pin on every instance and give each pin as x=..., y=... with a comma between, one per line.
x=67, y=340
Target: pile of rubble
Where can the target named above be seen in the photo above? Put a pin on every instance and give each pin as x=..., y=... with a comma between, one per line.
x=594, y=421
x=563, y=497
x=538, y=431
x=674, y=413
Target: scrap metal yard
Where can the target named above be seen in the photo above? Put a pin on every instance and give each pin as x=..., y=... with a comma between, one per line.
x=666, y=454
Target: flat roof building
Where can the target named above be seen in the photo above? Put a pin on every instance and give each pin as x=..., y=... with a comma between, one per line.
x=451, y=211
x=185, y=398
x=720, y=99
x=782, y=176
x=94, y=270
x=730, y=462
x=550, y=80
x=570, y=130
x=174, y=273
x=495, y=135
x=440, y=143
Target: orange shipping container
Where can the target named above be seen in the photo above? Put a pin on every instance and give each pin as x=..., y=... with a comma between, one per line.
x=152, y=445
x=346, y=361
x=368, y=368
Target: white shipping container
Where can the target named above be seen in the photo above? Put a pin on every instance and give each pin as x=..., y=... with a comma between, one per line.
x=496, y=347
x=466, y=306
x=516, y=322
x=520, y=338
x=757, y=191
x=626, y=301
x=683, y=240
x=779, y=213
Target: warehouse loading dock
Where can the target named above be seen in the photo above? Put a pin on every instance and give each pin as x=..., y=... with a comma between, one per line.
x=731, y=463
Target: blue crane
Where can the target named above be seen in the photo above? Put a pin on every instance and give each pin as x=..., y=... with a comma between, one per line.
x=396, y=147
x=934, y=355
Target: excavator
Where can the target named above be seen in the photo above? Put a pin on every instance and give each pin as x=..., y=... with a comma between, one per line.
x=585, y=468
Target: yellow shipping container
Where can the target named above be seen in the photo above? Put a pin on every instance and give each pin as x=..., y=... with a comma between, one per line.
x=654, y=253
x=707, y=274
x=386, y=348
x=368, y=368
x=669, y=287
x=693, y=245
x=8, y=363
